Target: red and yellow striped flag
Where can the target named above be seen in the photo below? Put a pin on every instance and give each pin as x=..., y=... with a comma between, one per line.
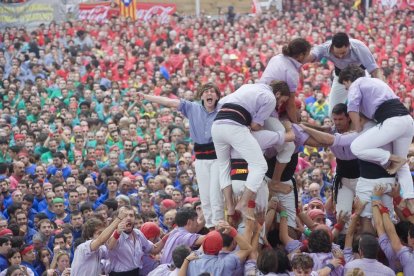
x=128, y=8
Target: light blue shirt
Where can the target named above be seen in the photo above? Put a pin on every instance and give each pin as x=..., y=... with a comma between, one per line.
x=359, y=54
x=200, y=121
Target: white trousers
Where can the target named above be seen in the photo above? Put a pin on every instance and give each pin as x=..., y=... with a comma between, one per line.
x=338, y=94
x=238, y=137
x=288, y=201
x=262, y=197
x=396, y=130
x=346, y=196
x=285, y=151
x=207, y=172
x=364, y=192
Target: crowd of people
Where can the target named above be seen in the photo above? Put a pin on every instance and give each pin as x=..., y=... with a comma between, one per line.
x=264, y=145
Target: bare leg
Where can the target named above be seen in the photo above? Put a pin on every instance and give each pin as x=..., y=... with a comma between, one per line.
x=274, y=184
x=228, y=197
x=242, y=204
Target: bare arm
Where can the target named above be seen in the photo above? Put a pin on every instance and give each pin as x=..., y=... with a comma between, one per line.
x=325, y=139
x=255, y=127
x=105, y=235
x=320, y=128
x=161, y=100
x=284, y=232
x=186, y=263
x=391, y=233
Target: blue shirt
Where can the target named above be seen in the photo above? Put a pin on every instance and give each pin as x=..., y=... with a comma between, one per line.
x=200, y=121
x=214, y=264
x=3, y=263
x=66, y=171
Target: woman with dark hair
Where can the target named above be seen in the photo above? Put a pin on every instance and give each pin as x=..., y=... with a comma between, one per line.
x=285, y=67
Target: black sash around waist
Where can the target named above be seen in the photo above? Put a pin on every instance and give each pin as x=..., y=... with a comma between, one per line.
x=371, y=170
x=337, y=70
x=289, y=169
x=235, y=112
x=347, y=168
x=239, y=170
x=205, y=151
x=133, y=272
x=389, y=109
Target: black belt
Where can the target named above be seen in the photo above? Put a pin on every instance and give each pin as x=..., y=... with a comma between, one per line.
x=235, y=113
x=289, y=170
x=344, y=168
x=134, y=272
x=389, y=109
x=371, y=170
x=205, y=151
x=239, y=169
x=337, y=70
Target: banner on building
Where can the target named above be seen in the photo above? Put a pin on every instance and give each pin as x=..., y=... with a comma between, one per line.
x=101, y=11
x=98, y=12
x=399, y=4
x=146, y=11
x=32, y=13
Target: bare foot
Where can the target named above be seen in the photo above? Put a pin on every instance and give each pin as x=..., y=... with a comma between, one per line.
x=396, y=164
x=279, y=188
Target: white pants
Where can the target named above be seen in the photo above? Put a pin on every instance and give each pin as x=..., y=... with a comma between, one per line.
x=285, y=151
x=396, y=130
x=345, y=197
x=262, y=197
x=238, y=137
x=338, y=94
x=288, y=201
x=364, y=192
x=207, y=172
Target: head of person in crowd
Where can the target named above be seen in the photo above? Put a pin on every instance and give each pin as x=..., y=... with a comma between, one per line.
x=209, y=94
x=340, y=45
x=350, y=74
x=267, y=261
x=368, y=246
x=166, y=205
x=179, y=254
x=213, y=243
x=302, y=264
x=169, y=218
x=281, y=91
x=187, y=218
x=297, y=49
x=151, y=231
x=320, y=240
x=314, y=189
x=341, y=118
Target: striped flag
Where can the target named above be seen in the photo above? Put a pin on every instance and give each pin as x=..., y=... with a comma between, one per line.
x=128, y=8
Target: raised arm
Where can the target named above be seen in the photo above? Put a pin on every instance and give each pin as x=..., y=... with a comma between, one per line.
x=325, y=139
x=160, y=100
x=105, y=235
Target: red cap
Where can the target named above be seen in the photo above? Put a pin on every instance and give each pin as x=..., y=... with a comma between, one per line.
x=23, y=153
x=191, y=199
x=6, y=232
x=18, y=136
x=169, y=203
x=27, y=250
x=213, y=243
x=316, y=212
x=150, y=230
